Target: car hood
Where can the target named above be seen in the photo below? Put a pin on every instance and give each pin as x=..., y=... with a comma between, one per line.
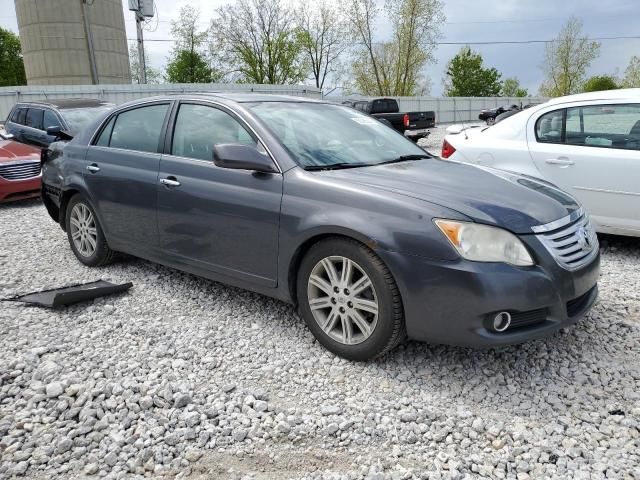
x=485, y=195
x=11, y=150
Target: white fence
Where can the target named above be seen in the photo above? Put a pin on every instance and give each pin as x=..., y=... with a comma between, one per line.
x=9, y=96
x=452, y=109
x=448, y=109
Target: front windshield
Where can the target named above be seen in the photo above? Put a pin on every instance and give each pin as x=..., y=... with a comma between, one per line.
x=78, y=118
x=320, y=134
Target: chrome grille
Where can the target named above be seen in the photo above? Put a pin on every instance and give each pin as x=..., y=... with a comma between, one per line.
x=572, y=241
x=20, y=170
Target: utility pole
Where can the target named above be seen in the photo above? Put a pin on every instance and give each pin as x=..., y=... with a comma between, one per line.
x=89, y=36
x=142, y=9
x=141, y=59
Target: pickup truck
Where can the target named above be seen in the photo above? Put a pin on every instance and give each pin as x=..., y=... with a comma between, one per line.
x=413, y=125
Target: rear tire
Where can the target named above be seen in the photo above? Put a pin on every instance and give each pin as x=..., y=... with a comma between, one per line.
x=85, y=234
x=349, y=300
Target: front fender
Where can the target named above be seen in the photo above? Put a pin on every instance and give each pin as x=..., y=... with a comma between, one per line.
x=379, y=219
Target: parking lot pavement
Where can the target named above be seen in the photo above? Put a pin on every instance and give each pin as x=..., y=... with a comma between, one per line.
x=183, y=376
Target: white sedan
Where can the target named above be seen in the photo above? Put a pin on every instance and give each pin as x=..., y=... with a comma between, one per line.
x=586, y=144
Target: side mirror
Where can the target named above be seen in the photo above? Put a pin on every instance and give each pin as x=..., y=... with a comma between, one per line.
x=58, y=133
x=242, y=157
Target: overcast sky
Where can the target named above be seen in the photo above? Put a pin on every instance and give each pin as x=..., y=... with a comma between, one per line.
x=467, y=21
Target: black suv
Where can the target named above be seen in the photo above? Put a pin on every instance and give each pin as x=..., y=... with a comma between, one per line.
x=29, y=121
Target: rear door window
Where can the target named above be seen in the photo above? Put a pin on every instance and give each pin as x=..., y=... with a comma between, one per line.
x=35, y=118
x=549, y=127
x=105, y=135
x=20, y=116
x=139, y=129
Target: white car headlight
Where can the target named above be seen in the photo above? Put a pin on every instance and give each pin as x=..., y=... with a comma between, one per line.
x=482, y=243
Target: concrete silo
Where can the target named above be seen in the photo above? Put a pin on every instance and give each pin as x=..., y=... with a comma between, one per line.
x=77, y=42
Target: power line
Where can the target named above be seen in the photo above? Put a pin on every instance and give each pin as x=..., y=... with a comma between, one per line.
x=491, y=42
x=520, y=42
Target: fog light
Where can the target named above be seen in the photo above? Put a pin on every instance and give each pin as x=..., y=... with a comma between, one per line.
x=501, y=321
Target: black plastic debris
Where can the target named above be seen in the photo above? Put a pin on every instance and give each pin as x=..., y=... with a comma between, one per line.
x=60, y=297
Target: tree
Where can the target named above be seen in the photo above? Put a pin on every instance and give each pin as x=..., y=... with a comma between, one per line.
x=511, y=88
x=394, y=67
x=598, y=83
x=467, y=77
x=153, y=75
x=322, y=34
x=567, y=59
x=189, y=62
x=259, y=42
x=11, y=65
x=189, y=67
x=632, y=73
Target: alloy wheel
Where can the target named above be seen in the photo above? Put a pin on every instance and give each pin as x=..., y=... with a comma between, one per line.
x=83, y=230
x=343, y=300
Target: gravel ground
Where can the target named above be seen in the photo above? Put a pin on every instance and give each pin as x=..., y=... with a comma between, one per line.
x=186, y=378
x=433, y=143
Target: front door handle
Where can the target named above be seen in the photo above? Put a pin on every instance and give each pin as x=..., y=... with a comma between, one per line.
x=562, y=161
x=93, y=168
x=170, y=182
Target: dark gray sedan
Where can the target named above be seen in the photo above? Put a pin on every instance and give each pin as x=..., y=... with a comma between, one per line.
x=322, y=206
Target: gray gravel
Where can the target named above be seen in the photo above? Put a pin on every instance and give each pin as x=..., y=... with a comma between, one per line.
x=186, y=378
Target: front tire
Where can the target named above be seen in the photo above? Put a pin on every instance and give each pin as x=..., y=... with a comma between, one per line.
x=349, y=300
x=85, y=234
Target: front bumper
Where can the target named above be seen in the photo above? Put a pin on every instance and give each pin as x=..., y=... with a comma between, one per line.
x=454, y=302
x=19, y=189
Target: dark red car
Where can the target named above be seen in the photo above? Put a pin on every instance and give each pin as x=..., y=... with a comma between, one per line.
x=19, y=170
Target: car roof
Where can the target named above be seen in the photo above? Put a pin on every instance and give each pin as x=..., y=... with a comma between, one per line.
x=620, y=94
x=68, y=103
x=226, y=98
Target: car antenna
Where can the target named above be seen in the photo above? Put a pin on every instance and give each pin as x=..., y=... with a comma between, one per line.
x=464, y=128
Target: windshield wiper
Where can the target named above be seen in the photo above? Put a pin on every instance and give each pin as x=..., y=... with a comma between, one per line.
x=336, y=166
x=405, y=158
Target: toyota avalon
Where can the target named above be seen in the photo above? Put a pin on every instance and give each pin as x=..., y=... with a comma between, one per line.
x=322, y=206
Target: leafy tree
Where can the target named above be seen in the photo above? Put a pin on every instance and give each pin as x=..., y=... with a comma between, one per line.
x=394, y=67
x=259, y=42
x=511, y=88
x=467, y=77
x=189, y=67
x=322, y=34
x=153, y=75
x=11, y=64
x=567, y=59
x=598, y=83
x=189, y=62
x=632, y=73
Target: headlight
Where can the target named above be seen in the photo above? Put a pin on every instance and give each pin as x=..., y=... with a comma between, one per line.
x=482, y=243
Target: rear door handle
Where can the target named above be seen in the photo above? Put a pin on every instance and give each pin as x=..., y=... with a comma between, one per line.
x=170, y=182
x=93, y=168
x=562, y=161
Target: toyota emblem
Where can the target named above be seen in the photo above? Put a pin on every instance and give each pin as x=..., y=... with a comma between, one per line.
x=584, y=239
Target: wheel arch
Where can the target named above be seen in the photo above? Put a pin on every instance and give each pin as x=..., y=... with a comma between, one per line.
x=313, y=239
x=66, y=196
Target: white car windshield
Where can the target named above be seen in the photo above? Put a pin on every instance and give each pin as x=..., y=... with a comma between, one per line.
x=320, y=135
